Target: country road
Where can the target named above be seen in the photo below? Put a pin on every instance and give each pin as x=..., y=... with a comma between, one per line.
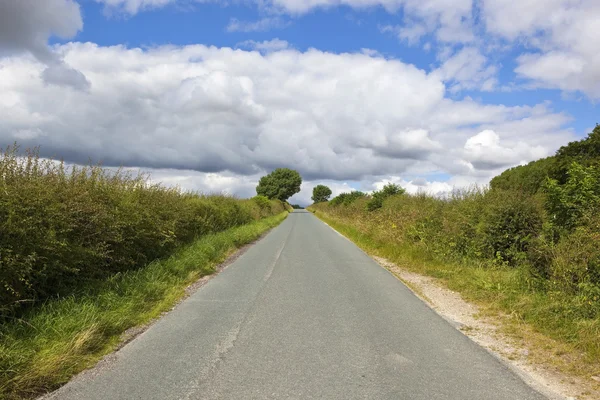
x=303, y=314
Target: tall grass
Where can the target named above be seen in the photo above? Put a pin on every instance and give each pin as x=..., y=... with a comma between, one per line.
x=496, y=247
x=62, y=229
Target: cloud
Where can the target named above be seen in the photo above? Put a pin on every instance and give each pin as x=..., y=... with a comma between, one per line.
x=551, y=31
x=562, y=33
x=262, y=25
x=411, y=33
x=63, y=75
x=203, y=182
x=418, y=185
x=468, y=69
x=26, y=26
x=485, y=151
x=232, y=115
x=132, y=7
x=265, y=46
x=451, y=20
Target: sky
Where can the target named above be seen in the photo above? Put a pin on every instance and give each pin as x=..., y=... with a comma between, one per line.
x=210, y=95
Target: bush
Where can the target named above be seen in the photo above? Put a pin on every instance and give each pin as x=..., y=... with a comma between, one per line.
x=62, y=227
x=577, y=200
x=528, y=178
x=511, y=221
x=346, y=198
x=576, y=258
x=263, y=203
x=391, y=189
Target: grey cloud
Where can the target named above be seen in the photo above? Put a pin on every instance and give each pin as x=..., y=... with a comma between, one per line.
x=62, y=75
x=26, y=26
x=490, y=165
x=419, y=182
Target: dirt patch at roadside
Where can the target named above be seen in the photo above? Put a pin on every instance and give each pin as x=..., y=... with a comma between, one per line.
x=486, y=332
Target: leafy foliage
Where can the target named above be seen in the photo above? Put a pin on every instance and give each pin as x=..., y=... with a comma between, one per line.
x=281, y=184
x=391, y=189
x=509, y=223
x=61, y=228
x=530, y=178
x=584, y=152
x=576, y=201
x=346, y=198
x=321, y=193
x=526, y=178
x=48, y=344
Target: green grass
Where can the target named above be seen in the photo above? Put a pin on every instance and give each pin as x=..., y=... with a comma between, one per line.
x=52, y=342
x=550, y=322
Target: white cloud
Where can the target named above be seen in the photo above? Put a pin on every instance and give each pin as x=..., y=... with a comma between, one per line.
x=203, y=182
x=262, y=25
x=418, y=185
x=134, y=6
x=236, y=114
x=451, y=20
x=266, y=46
x=411, y=32
x=304, y=197
x=485, y=151
x=468, y=69
x=564, y=35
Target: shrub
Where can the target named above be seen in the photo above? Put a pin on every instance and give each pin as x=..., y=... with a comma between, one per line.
x=391, y=189
x=575, y=202
x=528, y=178
x=263, y=203
x=346, y=198
x=62, y=227
x=511, y=221
x=576, y=258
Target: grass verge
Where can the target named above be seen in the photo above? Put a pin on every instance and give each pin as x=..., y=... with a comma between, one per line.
x=539, y=320
x=62, y=337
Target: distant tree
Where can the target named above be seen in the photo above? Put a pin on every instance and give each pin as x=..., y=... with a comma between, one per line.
x=321, y=193
x=280, y=184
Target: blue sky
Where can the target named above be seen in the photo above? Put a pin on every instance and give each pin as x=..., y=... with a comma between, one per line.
x=352, y=93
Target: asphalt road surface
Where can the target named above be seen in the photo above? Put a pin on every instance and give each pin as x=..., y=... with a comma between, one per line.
x=303, y=314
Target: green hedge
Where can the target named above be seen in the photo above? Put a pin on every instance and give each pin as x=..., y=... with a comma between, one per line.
x=62, y=227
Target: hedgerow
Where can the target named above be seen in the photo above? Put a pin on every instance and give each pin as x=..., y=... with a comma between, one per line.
x=64, y=227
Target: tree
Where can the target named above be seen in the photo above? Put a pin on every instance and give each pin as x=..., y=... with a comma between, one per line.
x=321, y=194
x=280, y=184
